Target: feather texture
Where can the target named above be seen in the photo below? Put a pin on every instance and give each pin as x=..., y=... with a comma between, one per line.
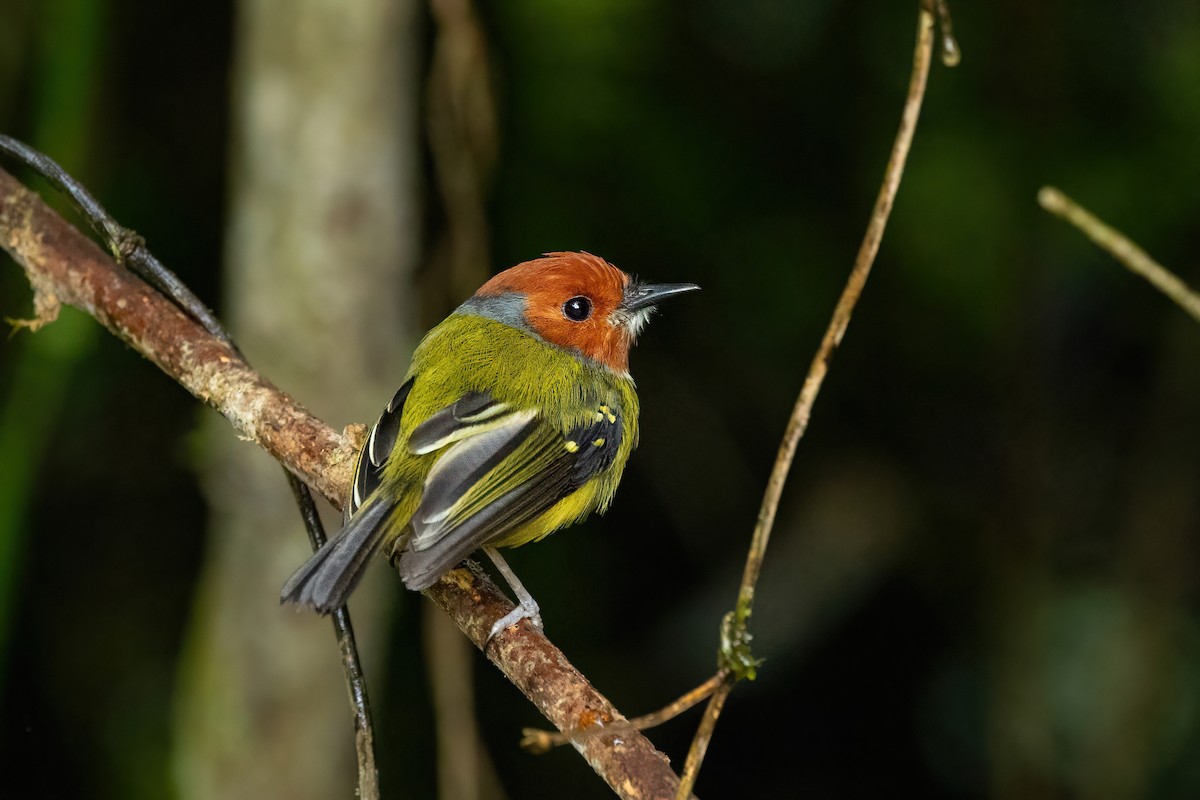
x=326, y=580
x=496, y=437
x=381, y=440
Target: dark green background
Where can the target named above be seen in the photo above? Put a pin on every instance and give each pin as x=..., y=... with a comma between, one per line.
x=984, y=577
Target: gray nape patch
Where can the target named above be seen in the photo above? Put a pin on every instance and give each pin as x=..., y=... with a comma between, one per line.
x=508, y=308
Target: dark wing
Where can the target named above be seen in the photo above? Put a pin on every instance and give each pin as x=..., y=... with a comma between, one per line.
x=327, y=578
x=369, y=470
x=325, y=581
x=491, y=480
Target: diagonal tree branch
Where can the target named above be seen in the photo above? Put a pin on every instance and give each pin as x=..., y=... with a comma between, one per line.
x=130, y=250
x=65, y=266
x=1120, y=247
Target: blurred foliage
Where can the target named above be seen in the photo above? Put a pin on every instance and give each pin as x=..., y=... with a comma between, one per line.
x=984, y=576
x=42, y=372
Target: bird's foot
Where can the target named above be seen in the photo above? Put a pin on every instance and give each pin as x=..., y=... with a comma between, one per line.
x=527, y=607
x=529, y=611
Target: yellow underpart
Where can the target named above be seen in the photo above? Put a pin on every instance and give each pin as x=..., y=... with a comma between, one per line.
x=570, y=509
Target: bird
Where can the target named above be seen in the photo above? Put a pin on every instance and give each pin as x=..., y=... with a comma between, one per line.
x=516, y=418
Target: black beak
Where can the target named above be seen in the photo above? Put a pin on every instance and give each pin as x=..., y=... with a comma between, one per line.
x=644, y=295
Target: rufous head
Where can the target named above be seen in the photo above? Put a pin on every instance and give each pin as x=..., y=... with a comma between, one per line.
x=576, y=301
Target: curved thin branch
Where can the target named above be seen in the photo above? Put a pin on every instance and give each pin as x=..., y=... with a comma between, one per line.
x=801, y=413
x=343, y=630
x=735, y=654
x=704, y=734
x=65, y=266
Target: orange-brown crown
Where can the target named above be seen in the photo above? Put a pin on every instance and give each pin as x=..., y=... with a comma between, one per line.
x=548, y=283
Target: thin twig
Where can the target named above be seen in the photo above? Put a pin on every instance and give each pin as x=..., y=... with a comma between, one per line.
x=65, y=266
x=1132, y=257
x=538, y=741
x=126, y=246
x=356, y=681
x=801, y=413
x=735, y=650
x=700, y=742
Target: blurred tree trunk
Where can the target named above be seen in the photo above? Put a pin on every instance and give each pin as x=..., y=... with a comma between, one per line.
x=320, y=253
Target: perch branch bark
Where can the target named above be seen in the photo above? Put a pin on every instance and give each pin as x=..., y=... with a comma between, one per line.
x=65, y=266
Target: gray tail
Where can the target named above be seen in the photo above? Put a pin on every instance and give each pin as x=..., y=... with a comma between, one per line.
x=325, y=581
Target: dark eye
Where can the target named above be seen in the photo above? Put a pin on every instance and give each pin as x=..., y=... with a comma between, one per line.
x=577, y=309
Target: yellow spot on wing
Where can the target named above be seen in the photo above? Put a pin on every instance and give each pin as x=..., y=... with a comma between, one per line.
x=605, y=411
x=598, y=442
x=572, y=447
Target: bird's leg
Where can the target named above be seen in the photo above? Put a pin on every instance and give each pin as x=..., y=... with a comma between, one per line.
x=527, y=607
